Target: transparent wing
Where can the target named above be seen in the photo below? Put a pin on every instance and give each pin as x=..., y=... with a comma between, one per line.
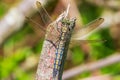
x=78, y=42
x=84, y=32
x=43, y=13
x=90, y=41
x=37, y=24
x=37, y=27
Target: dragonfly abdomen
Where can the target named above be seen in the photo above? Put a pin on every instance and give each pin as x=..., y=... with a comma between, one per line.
x=59, y=55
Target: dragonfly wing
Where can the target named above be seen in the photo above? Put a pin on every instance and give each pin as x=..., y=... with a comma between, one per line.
x=37, y=24
x=43, y=13
x=36, y=27
x=84, y=32
x=78, y=42
x=86, y=41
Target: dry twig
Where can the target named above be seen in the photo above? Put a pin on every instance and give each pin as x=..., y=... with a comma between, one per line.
x=92, y=66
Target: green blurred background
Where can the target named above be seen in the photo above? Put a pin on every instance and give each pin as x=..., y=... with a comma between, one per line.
x=20, y=50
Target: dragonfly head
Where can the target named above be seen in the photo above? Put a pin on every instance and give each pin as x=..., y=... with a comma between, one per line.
x=64, y=22
x=67, y=24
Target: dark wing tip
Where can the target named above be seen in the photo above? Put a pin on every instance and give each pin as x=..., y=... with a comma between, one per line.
x=38, y=4
x=101, y=19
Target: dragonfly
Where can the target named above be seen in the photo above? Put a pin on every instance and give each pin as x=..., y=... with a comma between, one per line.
x=57, y=40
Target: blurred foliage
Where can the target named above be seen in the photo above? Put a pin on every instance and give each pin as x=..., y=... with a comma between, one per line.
x=89, y=12
x=3, y=9
x=9, y=63
x=77, y=56
x=80, y=76
x=14, y=55
x=38, y=46
x=101, y=49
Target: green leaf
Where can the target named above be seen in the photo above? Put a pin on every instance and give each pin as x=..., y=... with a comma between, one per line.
x=77, y=56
